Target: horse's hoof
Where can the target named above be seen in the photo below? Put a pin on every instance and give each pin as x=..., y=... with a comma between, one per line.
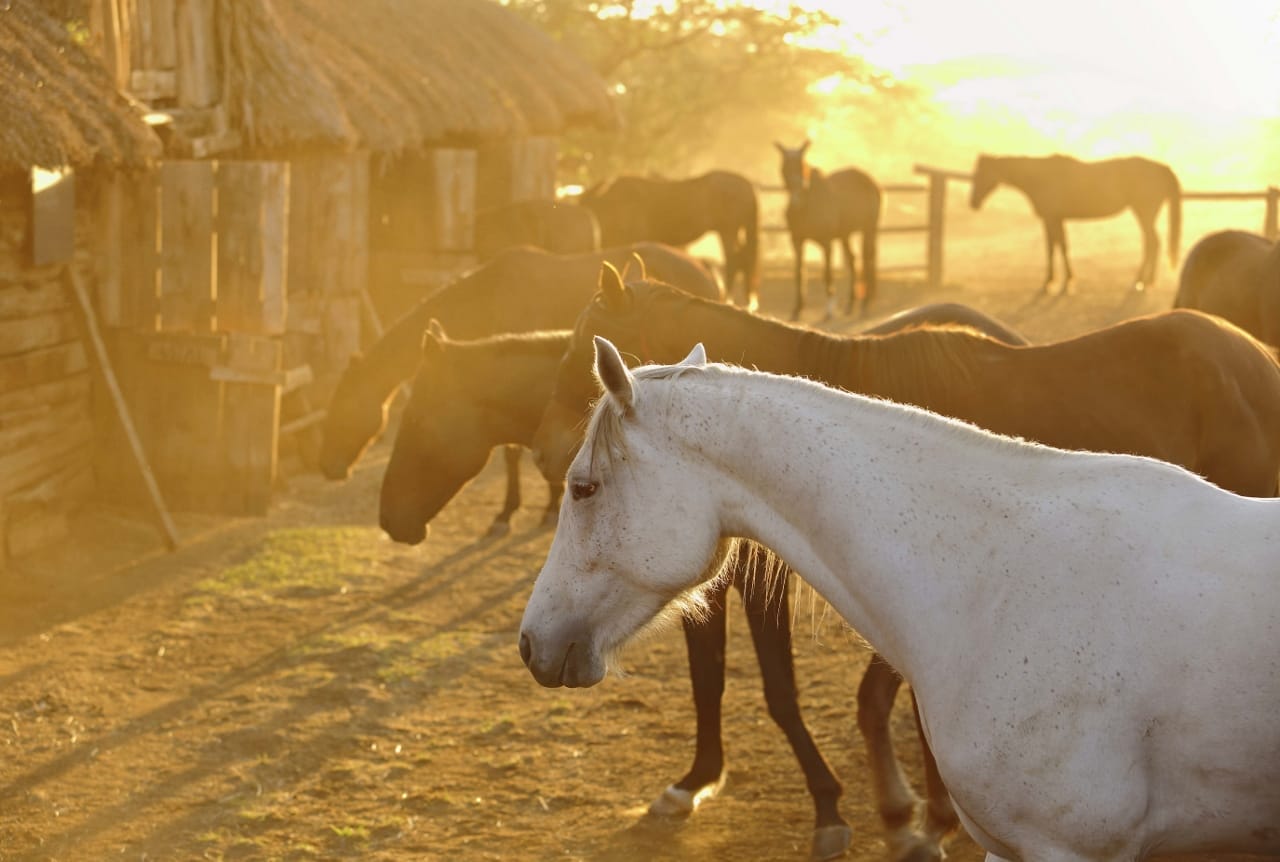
x=919, y=850
x=498, y=529
x=678, y=802
x=830, y=842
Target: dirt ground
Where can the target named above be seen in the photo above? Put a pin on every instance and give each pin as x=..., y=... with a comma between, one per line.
x=299, y=687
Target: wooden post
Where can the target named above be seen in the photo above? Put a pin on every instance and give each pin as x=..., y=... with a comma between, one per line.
x=169, y=531
x=250, y=421
x=252, y=225
x=937, y=223
x=186, y=246
x=1271, y=222
x=197, y=54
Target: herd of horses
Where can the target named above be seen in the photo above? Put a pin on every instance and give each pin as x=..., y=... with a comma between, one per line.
x=513, y=353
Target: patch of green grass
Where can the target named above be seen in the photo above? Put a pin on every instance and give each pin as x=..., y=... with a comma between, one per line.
x=320, y=559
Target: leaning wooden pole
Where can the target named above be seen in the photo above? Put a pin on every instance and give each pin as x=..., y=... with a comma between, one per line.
x=90, y=319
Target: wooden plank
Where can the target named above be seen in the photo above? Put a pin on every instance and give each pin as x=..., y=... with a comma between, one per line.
x=250, y=425
x=1271, y=220
x=164, y=45
x=103, y=359
x=34, y=298
x=196, y=54
x=1224, y=196
x=137, y=300
x=152, y=85
x=937, y=225
x=186, y=246
x=944, y=173
x=19, y=335
x=45, y=395
x=32, y=527
x=35, y=449
x=41, y=366
x=452, y=199
x=252, y=234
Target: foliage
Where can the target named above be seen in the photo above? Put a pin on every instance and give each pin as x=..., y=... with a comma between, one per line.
x=705, y=83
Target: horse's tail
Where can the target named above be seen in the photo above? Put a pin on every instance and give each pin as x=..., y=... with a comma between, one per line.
x=1174, y=196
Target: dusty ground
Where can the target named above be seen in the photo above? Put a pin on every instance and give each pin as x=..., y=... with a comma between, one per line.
x=298, y=687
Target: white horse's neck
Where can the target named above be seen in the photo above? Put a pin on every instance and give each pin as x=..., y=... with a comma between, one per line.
x=850, y=493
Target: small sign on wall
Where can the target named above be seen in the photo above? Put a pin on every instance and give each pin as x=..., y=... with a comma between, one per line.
x=53, y=215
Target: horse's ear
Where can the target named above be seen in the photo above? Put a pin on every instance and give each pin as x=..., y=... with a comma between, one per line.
x=780, y=147
x=697, y=357
x=432, y=341
x=613, y=375
x=615, y=292
x=805, y=146
x=638, y=262
x=436, y=329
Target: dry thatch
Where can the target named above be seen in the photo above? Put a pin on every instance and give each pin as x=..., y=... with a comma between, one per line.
x=58, y=105
x=395, y=74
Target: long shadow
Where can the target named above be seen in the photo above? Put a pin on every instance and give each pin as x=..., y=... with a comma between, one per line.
x=216, y=759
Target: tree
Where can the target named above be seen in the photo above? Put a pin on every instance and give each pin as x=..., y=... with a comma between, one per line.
x=706, y=83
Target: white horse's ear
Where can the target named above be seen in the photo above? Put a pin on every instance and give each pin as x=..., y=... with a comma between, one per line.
x=611, y=287
x=697, y=357
x=613, y=374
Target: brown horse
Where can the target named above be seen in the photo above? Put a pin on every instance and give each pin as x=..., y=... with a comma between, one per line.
x=520, y=290
x=827, y=208
x=1061, y=187
x=1236, y=275
x=1181, y=386
x=554, y=226
x=446, y=433
x=677, y=212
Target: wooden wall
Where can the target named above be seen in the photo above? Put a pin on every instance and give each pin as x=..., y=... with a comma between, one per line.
x=46, y=427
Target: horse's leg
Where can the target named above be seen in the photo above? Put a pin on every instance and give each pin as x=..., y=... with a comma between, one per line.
x=705, y=644
x=555, y=490
x=940, y=815
x=1058, y=234
x=797, y=252
x=768, y=607
x=502, y=521
x=851, y=262
x=1049, y=245
x=1150, y=249
x=894, y=798
x=827, y=281
x=732, y=265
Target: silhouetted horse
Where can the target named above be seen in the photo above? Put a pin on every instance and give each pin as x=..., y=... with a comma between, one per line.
x=554, y=226
x=827, y=208
x=1236, y=275
x=677, y=212
x=1061, y=187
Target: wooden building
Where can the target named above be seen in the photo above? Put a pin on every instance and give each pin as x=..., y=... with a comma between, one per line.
x=323, y=161
x=66, y=133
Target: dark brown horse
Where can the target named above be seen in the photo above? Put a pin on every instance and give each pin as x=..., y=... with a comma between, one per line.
x=1236, y=275
x=826, y=208
x=520, y=290
x=452, y=422
x=1181, y=386
x=551, y=225
x=677, y=212
x=1061, y=187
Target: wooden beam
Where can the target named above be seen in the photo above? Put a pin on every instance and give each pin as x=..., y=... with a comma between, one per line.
x=99, y=347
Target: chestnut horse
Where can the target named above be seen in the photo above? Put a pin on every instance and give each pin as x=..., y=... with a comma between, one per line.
x=520, y=290
x=470, y=396
x=1236, y=275
x=1182, y=386
x=1061, y=187
x=555, y=226
x=827, y=208
x=677, y=212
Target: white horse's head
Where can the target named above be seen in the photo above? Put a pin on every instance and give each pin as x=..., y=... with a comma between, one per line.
x=638, y=530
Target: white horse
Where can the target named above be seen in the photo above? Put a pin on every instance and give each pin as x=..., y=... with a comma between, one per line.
x=1094, y=640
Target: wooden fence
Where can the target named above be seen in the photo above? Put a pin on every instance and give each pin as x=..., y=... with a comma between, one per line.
x=935, y=186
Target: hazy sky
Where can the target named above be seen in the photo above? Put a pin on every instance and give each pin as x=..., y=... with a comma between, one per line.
x=1214, y=56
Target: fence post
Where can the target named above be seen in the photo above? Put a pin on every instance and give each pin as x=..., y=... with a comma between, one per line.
x=937, y=220
x=1271, y=223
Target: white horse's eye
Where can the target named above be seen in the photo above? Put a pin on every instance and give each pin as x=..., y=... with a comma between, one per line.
x=581, y=490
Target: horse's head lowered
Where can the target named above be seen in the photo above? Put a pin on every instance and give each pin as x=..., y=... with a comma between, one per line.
x=355, y=418
x=634, y=536
x=986, y=176
x=433, y=456
x=612, y=313
x=794, y=168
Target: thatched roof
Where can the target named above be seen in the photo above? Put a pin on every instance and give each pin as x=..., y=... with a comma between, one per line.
x=58, y=105
x=394, y=74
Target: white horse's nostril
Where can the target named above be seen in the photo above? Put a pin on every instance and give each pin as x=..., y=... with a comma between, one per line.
x=526, y=648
